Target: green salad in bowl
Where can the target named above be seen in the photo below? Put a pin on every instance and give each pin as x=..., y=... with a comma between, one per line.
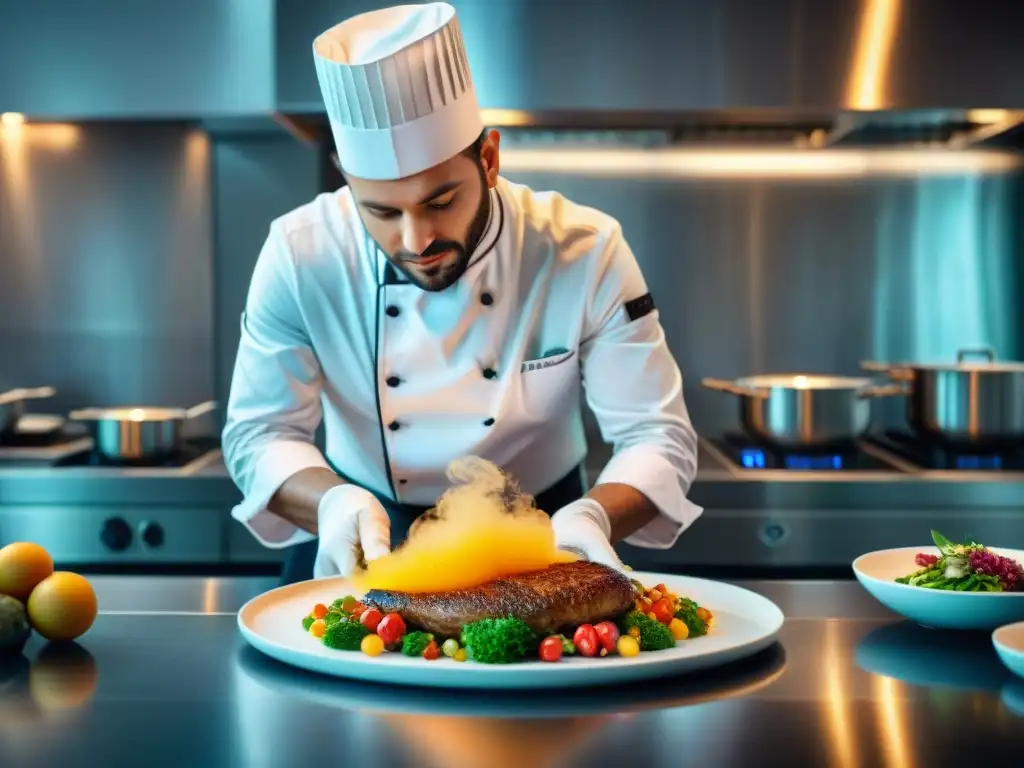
x=967, y=567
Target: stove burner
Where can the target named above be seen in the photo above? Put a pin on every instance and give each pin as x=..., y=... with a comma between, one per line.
x=748, y=454
x=927, y=455
x=189, y=452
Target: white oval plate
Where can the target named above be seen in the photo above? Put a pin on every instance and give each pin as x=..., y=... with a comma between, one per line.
x=877, y=571
x=1009, y=643
x=744, y=624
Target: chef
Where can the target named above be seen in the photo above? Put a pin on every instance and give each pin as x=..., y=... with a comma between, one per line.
x=432, y=310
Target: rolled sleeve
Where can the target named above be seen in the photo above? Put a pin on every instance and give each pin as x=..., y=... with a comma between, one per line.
x=274, y=407
x=635, y=389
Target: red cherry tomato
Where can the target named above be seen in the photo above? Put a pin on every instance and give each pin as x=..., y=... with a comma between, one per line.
x=585, y=640
x=662, y=611
x=370, y=618
x=607, y=635
x=391, y=628
x=550, y=649
x=431, y=652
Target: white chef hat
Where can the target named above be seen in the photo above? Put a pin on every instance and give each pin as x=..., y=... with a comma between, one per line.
x=397, y=89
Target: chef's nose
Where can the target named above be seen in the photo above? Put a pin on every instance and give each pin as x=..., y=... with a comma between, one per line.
x=416, y=234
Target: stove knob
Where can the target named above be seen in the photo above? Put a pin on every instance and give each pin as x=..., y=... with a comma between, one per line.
x=153, y=534
x=116, y=534
x=774, y=533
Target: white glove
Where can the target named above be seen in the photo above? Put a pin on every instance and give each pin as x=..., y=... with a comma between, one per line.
x=349, y=519
x=584, y=529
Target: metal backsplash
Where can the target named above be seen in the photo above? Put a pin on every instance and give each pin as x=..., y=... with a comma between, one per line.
x=789, y=272
x=105, y=263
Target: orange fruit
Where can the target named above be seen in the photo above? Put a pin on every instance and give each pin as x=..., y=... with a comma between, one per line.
x=62, y=606
x=22, y=566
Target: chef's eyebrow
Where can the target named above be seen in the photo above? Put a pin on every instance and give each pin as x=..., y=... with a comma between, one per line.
x=436, y=192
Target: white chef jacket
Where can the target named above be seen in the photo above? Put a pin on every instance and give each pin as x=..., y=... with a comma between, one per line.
x=407, y=380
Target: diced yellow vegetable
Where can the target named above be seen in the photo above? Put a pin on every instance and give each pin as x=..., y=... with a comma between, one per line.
x=679, y=629
x=372, y=645
x=628, y=646
x=317, y=628
x=634, y=632
x=460, y=655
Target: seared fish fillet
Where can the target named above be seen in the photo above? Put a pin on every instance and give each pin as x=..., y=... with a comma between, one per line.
x=558, y=598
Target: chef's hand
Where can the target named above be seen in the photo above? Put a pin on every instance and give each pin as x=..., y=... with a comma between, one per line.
x=583, y=528
x=351, y=522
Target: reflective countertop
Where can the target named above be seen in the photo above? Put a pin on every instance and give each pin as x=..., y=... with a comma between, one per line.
x=163, y=678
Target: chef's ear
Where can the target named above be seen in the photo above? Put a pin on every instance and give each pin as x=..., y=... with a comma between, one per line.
x=489, y=157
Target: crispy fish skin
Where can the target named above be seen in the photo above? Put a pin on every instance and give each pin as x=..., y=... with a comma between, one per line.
x=551, y=600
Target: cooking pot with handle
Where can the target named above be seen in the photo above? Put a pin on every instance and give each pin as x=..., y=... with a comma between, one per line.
x=967, y=404
x=809, y=411
x=132, y=434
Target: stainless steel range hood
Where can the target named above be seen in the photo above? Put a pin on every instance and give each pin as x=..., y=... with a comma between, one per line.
x=783, y=64
x=796, y=56
x=848, y=73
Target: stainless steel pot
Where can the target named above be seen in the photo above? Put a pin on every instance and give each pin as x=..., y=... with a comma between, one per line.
x=138, y=434
x=12, y=405
x=805, y=410
x=966, y=404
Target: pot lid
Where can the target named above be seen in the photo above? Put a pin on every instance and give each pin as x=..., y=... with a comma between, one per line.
x=804, y=381
x=982, y=360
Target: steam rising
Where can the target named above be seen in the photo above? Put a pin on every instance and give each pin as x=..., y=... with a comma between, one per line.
x=483, y=527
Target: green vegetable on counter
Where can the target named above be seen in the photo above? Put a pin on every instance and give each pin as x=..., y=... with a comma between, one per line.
x=345, y=635
x=499, y=641
x=687, y=614
x=414, y=643
x=654, y=636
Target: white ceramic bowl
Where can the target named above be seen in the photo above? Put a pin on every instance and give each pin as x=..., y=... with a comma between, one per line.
x=1009, y=643
x=938, y=609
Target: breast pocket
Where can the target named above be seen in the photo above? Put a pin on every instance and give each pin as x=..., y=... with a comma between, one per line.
x=549, y=385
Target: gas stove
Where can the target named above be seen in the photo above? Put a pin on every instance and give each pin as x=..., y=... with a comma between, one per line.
x=185, y=456
x=748, y=454
x=926, y=456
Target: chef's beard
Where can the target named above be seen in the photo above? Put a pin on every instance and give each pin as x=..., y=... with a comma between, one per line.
x=446, y=273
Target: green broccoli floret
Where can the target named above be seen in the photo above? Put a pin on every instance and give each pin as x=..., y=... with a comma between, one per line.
x=307, y=622
x=687, y=613
x=414, y=643
x=499, y=641
x=654, y=636
x=333, y=617
x=345, y=635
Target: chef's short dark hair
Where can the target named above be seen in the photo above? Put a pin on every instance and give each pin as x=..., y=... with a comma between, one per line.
x=473, y=150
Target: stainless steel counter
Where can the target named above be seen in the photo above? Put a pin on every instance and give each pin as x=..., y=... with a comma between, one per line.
x=163, y=678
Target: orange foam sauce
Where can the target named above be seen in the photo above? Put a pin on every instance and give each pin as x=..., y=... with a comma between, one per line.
x=477, y=539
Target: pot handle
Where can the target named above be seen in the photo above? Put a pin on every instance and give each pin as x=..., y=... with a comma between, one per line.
x=86, y=414
x=721, y=385
x=895, y=372
x=199, y=410
x=987, y=352
x=27, y=394
x=885, y=390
